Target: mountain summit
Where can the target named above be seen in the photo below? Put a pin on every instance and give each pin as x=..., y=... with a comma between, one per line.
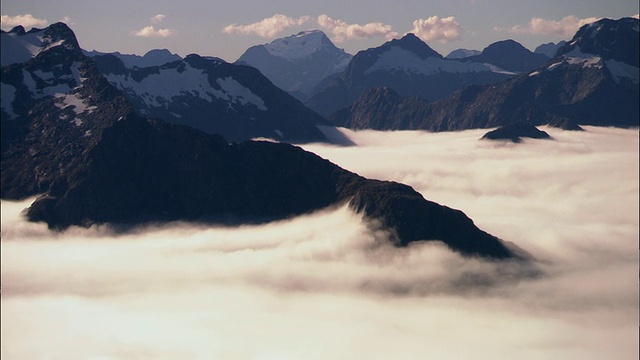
x=298, y=63
x=408, y=66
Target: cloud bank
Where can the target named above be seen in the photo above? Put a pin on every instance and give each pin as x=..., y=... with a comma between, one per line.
x=26, y=20
x=444, y=30
x=152, y=32
x=326, y=286
x=342, y=31
x=268, y=27
x=567, y=26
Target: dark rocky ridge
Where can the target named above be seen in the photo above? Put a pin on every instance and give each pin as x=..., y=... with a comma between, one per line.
x=144, y=170
x=515, y=132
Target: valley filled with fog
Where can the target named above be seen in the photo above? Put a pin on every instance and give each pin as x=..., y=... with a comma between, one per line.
x=327, y=285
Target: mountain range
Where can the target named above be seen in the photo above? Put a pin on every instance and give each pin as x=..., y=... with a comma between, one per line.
x=411, y=68
x=592, y=80
x=75, y=139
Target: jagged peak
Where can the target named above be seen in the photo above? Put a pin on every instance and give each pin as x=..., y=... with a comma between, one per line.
x=610, y=39
x=414, y=44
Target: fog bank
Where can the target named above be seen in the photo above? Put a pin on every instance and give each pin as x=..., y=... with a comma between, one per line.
x=327, y=286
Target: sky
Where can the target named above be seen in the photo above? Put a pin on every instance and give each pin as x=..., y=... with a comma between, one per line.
x=227, y=28
x=327, y=286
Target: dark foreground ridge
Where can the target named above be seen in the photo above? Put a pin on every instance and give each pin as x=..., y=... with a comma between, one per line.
x=145, y=170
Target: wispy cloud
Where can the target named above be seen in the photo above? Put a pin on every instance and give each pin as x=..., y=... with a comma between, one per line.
x=158, y=18
x=342, y=31
x=434, y=28
x=268, y=27
x=567, y=26
x=26, y=20
x=151, y=32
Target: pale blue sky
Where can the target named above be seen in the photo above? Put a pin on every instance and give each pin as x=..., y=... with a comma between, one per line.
x=191, y=26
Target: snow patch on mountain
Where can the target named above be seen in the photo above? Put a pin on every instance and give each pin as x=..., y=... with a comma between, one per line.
x=159, y=89
x=78, y=105
x=577, y=57
x=621, y=70
x=400, y=59
x=22, y=48
x=234, y=91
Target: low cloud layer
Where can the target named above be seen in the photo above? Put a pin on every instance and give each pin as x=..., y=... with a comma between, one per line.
x=326, y=285
x=434, y=28
x=26, y=20
x=567, y=26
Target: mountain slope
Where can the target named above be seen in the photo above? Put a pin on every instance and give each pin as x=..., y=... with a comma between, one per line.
x=298, y=63
x=593, y=80
x=409, y=67
x=235, y=101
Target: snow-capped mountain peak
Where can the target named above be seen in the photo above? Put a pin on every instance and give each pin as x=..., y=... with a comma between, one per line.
x=299, y=46
x=298, y=63
x=19, y=46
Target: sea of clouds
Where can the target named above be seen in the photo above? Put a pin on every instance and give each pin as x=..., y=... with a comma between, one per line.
x=327, y=286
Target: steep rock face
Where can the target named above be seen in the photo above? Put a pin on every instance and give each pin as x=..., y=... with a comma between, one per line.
x=145, y=170
x=409, y=67
x=510, y=55
x=599, y=87
x=235, y=101
x=298, y=63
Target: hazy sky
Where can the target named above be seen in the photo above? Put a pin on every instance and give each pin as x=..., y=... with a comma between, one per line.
x=322, y=286
x=191, y=26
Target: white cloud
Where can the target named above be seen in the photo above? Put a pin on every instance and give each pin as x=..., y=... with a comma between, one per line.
x=444, y=30
x=26, y=20
x=268, y=27
x=158, y=18
x=343, y=31
x=150, y=31
x=567, y=26
x=322, y=286
x=637, y=16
